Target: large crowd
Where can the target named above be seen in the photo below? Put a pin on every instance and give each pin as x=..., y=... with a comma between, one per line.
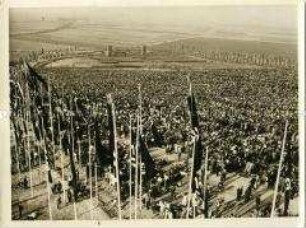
x=242, y=115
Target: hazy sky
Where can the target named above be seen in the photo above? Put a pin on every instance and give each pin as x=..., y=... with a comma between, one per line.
x=54, y=3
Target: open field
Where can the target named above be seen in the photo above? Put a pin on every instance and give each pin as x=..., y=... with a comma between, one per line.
x=171, y=32
x=98, y=27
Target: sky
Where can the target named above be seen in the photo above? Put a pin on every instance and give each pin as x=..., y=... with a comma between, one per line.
x=125, y=3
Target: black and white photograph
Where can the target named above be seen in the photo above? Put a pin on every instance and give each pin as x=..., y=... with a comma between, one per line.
x=135, y=110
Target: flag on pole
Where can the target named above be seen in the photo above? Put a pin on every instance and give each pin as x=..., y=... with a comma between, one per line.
x=16, y=96
x=198, y=148
x=147, y=160
x=111, y=137
x=71, y=156
x=104, y=156
x=191, y=102
x=116, y=155
x=33, y=78
x=280, y=165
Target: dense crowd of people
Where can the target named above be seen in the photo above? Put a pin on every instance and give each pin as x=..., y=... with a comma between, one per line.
x=242, y=115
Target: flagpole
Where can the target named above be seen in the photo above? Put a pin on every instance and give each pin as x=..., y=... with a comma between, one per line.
x=279, y=170
x=137, y=166
x=130, y=168
x=193, y=206
x=116, y=160
x=205, y=179
x=140, y=158
x=96, y=180
x=48, y=190
x=75, y=210
x=140, y=184
x=39, y=160
x=51, y=122
x=41, y=130
x=17, y=154
x=47, y=173
x=193, y=154
x=29, y=155
x=79, y=149
x=28, y=138
x=61, y=154
x=71, y=153
x=79, y=152
x=19, y=173
x=140, y=109
x=190, y=181
x=90, y=170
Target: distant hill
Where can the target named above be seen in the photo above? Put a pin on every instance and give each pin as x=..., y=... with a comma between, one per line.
x=96, y=27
